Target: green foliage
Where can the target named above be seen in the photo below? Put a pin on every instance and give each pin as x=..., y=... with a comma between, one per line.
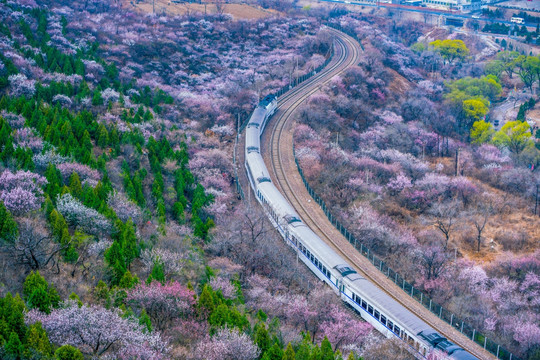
x=515, y=135
x=12, y=317
x=326, y=350
x=274, y=353
x=14, y=347
x=8, y=226
x=289, y=353
x=450, y=50
x=145, y=321
x=524, y=107
x=481, y=132
x=158, y=272
x=128, y=281
x=39, y=294
x=73, y=296
x=262, y=338
x=124, y=249
x=470, y=98
x=68, y=352
x=37, y=342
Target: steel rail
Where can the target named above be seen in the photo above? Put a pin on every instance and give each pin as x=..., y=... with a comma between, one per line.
x=289, y=102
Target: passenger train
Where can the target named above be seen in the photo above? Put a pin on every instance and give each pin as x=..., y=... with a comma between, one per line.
x=374, y=305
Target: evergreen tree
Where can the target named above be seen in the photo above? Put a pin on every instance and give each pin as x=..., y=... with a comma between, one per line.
x=54, y=181
x=289, y=353
x=114, y=256
x=130, y=243
x=158, y=272
x=37, y=342
x=14, y=347
x=326, y=350
x=262, y=338
x=145, y=321
x=206, y=300
x=73, y=296
x=75, y=186
x=68, y=352
x=274, y=353
x=8, y=226
x=103, y=137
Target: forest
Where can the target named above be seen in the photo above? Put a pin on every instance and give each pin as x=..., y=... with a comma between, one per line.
x=121, y=232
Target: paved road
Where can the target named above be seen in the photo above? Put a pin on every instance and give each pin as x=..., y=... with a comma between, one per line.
x=279, y=157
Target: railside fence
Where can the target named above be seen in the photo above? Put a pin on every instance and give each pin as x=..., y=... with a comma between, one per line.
x=399, y=280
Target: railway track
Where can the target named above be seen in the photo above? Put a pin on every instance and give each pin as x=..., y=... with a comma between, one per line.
x=288, y=181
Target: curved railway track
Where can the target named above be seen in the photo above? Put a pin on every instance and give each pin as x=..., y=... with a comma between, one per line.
x=288, y=181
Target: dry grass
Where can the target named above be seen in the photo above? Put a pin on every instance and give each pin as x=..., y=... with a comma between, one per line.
x=238, y=11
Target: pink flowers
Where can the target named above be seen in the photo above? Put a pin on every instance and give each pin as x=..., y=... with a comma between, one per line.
x=85, y=173
x=162, y=302
x=21, y=85
x=97, y=332
x=21, y=191
x=227, y=345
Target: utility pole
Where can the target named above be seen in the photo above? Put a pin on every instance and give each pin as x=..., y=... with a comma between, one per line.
x=536, y=200
x=457, y=163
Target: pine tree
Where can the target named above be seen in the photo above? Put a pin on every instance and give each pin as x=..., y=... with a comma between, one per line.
x=289, y=353
x=8, y=226
x=262, y=338
x=37, y=341
x=158, y=272
x=274, y=353
x=206, y=300
x=39, y=299
x=326, y=350
x=103, y=138
x=116, y=261
x=145, y=321
x=130, y=243
x=75, y=186
x=68, y=352
x=73, y=296
x=14, y=347
x=128, y=281
x=34, y=281
x=54, y=181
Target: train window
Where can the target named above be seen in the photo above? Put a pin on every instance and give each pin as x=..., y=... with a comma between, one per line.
x=383, y=319
x=390, y=325
x=364, y=304
x=397, y=330
x=370, y=309
x=377, y=315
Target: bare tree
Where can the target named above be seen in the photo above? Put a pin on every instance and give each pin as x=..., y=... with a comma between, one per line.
x=220, y=9
x=480, y=218
x=446, y=216
x=433, y=260
x=33, y=247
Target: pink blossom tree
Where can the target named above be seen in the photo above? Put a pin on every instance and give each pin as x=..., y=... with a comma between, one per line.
x=227, y=345
x=344, y=329
x=163, y=303
x=98, y=332
x=21, y=191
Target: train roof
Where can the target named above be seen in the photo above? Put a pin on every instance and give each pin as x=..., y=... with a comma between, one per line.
x=386, y=304
x=462, y=355
x=253, y=138
x=257, y=167
x=318, y=247
x=280, y=205
x=257, y=117
x=448, y=346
